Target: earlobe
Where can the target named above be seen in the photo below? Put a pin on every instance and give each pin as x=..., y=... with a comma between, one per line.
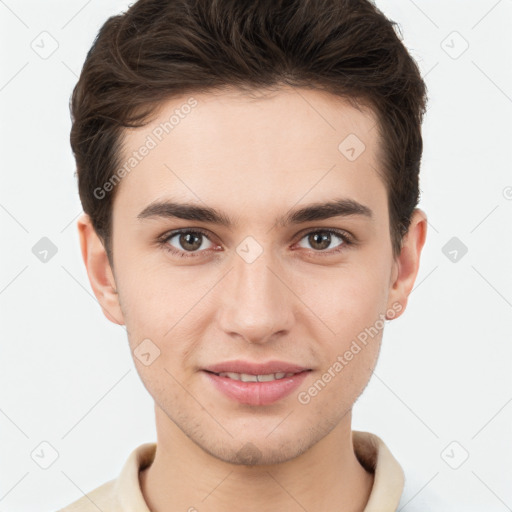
x=407, y=264
x=99, y=271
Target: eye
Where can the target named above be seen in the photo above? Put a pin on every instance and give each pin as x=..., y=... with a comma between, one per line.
x=320, y=240
x=186, y=241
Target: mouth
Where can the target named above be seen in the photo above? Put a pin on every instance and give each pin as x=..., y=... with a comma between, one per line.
x=248, y=377
x=270, y=369
x=256, y=383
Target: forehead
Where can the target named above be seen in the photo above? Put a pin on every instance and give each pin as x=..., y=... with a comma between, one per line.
x=229, y=148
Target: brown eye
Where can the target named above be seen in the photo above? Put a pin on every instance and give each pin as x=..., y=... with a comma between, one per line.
x=190, y=241
x=321, y=240
x=186, y=241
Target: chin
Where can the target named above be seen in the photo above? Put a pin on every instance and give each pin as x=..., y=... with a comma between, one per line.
x=257, y=451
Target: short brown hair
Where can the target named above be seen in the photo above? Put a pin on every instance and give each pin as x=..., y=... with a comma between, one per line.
x=158, y=49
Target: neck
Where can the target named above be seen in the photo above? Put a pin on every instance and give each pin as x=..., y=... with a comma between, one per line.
x=183, y=477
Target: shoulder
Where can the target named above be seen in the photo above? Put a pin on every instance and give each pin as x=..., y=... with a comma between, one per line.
x=101, y=498
x=122, y=492
x=423, y=489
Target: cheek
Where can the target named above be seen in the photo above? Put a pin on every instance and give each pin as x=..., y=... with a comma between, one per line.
x=158, y=335
x=353, y=306
x=150, y=295
x=355, y=312
x=348, y=299
x=165, y=308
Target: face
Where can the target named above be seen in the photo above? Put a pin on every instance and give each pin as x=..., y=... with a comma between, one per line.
x=264, y=273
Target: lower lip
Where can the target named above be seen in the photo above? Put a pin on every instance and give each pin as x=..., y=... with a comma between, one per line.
x=257, y=393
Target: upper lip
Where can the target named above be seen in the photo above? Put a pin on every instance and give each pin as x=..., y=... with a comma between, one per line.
x=255, y=368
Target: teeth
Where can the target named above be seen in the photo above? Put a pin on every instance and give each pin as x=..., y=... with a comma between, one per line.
x=245, y=377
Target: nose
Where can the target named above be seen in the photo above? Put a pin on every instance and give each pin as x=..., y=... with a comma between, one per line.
x=257, y=304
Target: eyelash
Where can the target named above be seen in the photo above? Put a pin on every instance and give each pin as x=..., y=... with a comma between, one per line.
x=164, y=239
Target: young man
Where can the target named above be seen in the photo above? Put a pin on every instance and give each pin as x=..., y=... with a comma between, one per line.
x=249, y=177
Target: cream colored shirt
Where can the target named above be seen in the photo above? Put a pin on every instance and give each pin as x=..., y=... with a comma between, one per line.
x=123, y=494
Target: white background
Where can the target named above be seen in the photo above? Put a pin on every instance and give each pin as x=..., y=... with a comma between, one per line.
x=444, y=374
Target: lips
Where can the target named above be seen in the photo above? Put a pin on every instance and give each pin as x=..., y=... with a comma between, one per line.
x=256, y=384
x=255, y=393
x=249, y=368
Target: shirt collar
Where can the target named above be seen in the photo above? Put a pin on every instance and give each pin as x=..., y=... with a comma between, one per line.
x=389, y=477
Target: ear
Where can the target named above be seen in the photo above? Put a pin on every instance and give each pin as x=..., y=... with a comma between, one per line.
x=407, y=263
x=98, y=268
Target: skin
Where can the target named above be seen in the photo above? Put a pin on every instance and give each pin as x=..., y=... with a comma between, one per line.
x=254, y=158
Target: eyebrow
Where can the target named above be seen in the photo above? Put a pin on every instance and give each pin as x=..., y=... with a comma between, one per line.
x=317, y=211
